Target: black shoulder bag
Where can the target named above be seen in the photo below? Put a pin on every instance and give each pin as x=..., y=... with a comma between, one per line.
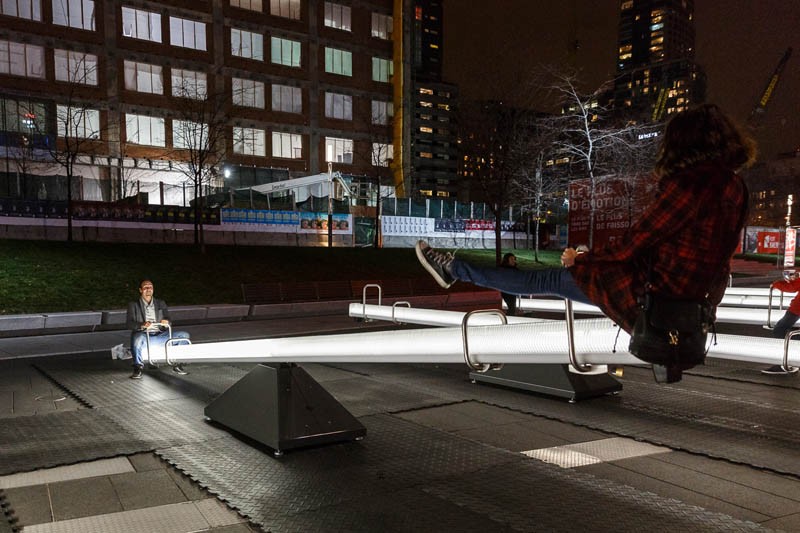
x=671, y=334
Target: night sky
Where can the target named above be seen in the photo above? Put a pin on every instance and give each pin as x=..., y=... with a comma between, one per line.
x=489, y=46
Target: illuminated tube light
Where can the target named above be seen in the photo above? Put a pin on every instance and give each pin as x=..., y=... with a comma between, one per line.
x=429, y=317
x=540, y=343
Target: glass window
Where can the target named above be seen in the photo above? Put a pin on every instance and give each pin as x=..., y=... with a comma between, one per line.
x=338, y=106
x=382, y=111
x=287, y=99
x=22, y=117
x=285, y=8
x=187, y=33
x=249, y=141
x=382, y=69
x=144, y=77
x=247, y=44
x=24, y=9
x=247, y=93
x=21, y=59
x=338, y=150
x=287, y=145
x=337, y=16
x=74, y=13
x=189, y=135
x=252, y=5
x=381, y=154
x=285, y=52
x=338, y=61
x=75, y=67
x=77, y=122
x=189, y=84
x=140, y=24
x=381, y=26
x=141, y=129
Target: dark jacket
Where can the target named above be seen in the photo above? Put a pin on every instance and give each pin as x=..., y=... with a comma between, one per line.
x=691, y=232
x=135, y=317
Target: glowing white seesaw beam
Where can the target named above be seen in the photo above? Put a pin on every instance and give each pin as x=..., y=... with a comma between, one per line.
x=428, y=317
x=543, y=343
x=725, y=315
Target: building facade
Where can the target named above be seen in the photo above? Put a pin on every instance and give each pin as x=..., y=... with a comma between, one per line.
x=138, y=93
x=434, y=154
x=656, y=72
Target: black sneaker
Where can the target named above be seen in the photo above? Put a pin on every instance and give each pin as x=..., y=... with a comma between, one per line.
x=137, y=373
x=438, y=264
x=178, y=369
x=780, y=370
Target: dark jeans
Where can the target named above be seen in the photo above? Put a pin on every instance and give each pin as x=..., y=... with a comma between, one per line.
x=784, y=325
x=550, y=281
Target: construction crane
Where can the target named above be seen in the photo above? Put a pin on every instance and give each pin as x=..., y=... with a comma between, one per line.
x=758, y=110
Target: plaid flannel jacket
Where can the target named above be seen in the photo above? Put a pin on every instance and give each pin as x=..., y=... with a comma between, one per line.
x=691, y=231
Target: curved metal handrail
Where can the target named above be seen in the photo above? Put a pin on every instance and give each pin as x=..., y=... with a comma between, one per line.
x=769, y=324
x=156, y=328
x=480, y=367
x=789, y=335
x=394, y=305
x=573, y=359
x=364, y=299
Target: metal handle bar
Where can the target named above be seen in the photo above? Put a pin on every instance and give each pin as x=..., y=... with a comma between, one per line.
x=480, y=367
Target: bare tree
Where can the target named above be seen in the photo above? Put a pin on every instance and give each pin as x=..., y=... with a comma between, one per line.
x=199, y=136
x=590, y=135
x=537, y=179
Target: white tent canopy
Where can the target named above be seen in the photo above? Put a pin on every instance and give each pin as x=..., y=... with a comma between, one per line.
x=318, y=185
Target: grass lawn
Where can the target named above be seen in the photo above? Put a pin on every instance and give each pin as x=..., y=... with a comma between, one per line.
x=43, y=276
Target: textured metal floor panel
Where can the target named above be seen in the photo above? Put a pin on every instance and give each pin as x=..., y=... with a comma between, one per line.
x=376, y=485
x=535, y=496
x=34, y=442
x=102, y=467
x=364, y=396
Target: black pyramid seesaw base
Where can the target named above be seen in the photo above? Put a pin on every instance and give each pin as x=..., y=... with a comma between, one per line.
x=282, y=407
x=553, y=380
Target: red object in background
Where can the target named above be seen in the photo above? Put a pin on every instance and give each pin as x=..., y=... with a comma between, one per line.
x=789, y=250
x=768, y=242
x=619, y=203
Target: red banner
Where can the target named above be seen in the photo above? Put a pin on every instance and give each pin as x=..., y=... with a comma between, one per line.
x=769, y=242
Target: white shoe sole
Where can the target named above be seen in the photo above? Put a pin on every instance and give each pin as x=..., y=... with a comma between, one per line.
x=427, y=266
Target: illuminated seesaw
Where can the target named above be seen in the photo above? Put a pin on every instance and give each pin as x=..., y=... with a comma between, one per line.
x=278, y=404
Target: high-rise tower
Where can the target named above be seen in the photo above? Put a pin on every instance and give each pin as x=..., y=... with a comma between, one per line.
x=656, y=72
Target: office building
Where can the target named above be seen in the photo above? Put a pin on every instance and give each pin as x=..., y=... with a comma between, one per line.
x=656, y=73
x=272, y=89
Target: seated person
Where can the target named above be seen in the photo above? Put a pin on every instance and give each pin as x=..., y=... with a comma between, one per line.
x=782, y=327
x=148, y=318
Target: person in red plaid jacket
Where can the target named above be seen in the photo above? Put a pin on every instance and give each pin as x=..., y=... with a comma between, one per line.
x=689, y=233
x=789, y=319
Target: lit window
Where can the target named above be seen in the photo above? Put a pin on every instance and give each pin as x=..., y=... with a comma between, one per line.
x=338, y=62
x=73, y=13
x=75, y=67
x=338, y=150
x=247, y=93
x=140, y=24
x=189, y=84
x=381, y=26
x=187, y=33
x=382, y=111
x=382, y=69
x=425, y=91
x=285, y=52
x=338, y=106
x=425, y=129
x=289, y=9
x=337, y=16
x=21, y=59
x=141, y=129
x=287, y=145
x=382, y=154
x=252, y=5
x=190, y=135
x=77, y=122
x=287, y=99
x=22, y=117
x=249, y=141
x=247, y=44
x=143, y=77
x=24, y=9
x=426, y=155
